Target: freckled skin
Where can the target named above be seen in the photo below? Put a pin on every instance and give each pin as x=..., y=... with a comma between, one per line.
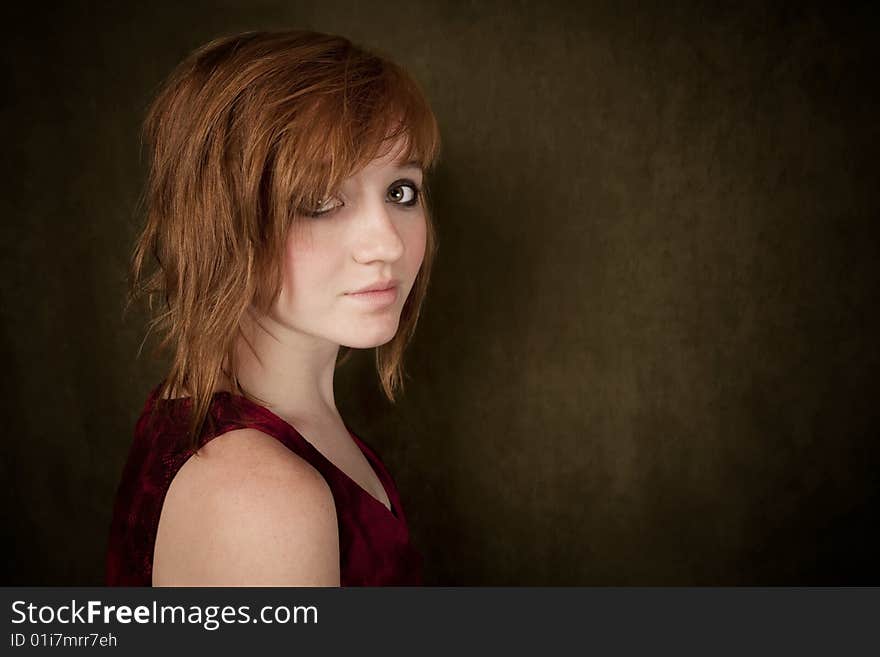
x=247, y=479
x=369, y=238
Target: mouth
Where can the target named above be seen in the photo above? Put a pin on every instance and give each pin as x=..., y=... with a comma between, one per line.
x=381, y=296
x=375, y=289
x=380, y=286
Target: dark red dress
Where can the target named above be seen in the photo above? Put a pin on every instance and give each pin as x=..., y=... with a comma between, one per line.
x=374, y=543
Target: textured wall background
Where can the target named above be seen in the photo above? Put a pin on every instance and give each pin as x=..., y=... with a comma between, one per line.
x=649, y=354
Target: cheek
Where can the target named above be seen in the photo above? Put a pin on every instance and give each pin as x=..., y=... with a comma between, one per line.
x=306, y=267
x=416, y=240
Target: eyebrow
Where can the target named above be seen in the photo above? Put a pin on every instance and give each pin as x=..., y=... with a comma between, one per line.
x=412, y=164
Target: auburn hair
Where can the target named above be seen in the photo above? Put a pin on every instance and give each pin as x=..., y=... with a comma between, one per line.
x=247, y=132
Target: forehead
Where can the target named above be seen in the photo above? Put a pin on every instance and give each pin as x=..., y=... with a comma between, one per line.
x=394, y=159
x=384, y=167
x=379, y=166
x=391, y=161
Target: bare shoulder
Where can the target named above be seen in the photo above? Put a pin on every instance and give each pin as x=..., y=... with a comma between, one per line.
x=246, y=511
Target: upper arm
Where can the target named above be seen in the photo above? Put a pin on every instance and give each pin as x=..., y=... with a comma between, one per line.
x=247, y=512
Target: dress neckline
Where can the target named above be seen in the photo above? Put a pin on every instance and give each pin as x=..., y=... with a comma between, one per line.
x=393, y=511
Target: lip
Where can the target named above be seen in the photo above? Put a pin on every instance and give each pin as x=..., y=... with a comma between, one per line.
x=380, y=286
x=376, y=297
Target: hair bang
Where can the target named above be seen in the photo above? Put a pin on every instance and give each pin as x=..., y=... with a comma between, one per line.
x=359, y=122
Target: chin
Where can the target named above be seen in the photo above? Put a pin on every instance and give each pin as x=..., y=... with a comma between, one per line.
x=368, y=344
x=368, y=340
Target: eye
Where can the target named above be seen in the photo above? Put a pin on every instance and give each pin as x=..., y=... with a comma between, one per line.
x=404, y=192
x=324, y=207
x=401, y=192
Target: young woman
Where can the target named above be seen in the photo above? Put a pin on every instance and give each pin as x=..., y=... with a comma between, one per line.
x=288, y=221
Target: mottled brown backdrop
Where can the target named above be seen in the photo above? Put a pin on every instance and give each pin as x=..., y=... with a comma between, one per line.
x=649, y=352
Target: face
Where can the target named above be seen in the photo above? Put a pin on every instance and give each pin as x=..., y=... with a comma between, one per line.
x=372, y=232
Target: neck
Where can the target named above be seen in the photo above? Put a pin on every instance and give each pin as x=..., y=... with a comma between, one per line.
x=290, y=371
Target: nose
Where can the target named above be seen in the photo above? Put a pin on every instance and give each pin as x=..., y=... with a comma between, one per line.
x=377, y=236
